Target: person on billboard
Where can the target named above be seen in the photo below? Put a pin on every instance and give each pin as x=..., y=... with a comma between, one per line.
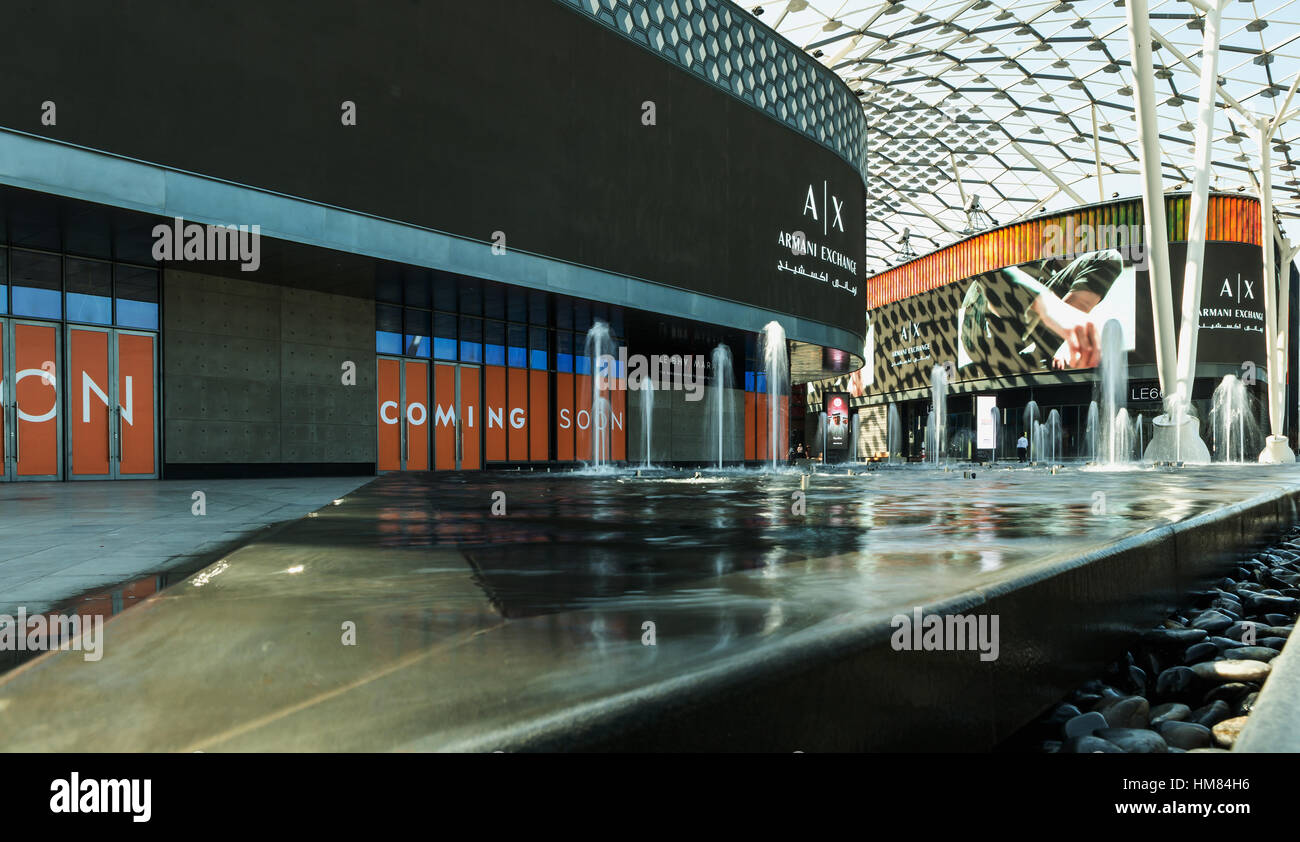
x=1057, y=314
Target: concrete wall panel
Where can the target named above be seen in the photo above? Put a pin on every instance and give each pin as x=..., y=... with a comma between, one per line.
x=253, y=373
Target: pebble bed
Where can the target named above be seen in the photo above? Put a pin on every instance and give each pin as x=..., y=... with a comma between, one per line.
x=1189, y=684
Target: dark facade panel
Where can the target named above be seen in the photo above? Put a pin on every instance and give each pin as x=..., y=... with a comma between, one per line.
x=475, y=118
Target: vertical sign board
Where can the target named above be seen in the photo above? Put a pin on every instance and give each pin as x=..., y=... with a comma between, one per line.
x=4, y=407
x=91, y=431
x=135, y=401
x=390, y=415
x=985, y=429
x=517, y=414
x=444, y=417
x=494, y=379
x=471, y=453
x=837, y=421
x=564, y=417
x=36, y=397
x=539, y=432
x=416, y=415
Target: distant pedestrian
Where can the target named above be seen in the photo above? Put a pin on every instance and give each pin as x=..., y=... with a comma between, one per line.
x=1022, y=448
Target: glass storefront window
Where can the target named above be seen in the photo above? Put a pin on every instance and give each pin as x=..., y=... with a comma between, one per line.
x=388, y=329
x=88, y=286
x=494, y=301
x=536, y=307
x=537, y=356
x=444, y=336
x=135, y=291
x=564, y=312
x=445, y=292
x=517, y=356
x=494, y=343
x=517, y=304
x=4, y=281
x=37, y=284
x=471, y=338
x=471, y=296
x=417, y=292
x=564, y=351
x=417, y=326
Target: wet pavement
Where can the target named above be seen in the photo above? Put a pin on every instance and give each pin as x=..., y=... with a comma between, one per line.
x=471, y=626
x=69, y=542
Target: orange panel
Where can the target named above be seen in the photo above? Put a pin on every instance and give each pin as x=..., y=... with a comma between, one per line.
x=444, y=417
x=88, y=377
x=135, y=397
x=36, y=395
x=618, y=423
x=517, y=414
x=564, y=420
x=783, y=418
x=494, y=412
x=751, y=426
x=760, y=426
x=582, y=416
x=539, y=432
x=417, y=416
x=4, y=415
x=470, y=410
x=390, y=416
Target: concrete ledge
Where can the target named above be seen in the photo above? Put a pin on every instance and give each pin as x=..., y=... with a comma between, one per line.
x=1274, y=724
x=841, y=686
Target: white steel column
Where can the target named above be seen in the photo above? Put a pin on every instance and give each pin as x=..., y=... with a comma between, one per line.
x=1199, y=211
x=1276, y=366
x=1153, y=197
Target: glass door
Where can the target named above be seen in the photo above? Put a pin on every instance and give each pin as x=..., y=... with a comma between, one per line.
x=30, y=406
x=112, y=393
x=403, y=415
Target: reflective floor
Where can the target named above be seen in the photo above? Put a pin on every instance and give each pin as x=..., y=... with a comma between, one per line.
x=411, y=616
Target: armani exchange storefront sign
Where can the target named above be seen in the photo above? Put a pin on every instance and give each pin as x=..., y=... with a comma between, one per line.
x=810, y=252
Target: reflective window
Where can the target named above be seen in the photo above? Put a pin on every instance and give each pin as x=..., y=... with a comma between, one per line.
x=471, y=296
x=564, y=351
x=494, y=301
x=445, y=290
x=471, y=339
x=4, y=281
x=388, y=329
x=37, y=282
x=494, y=343
x=418, y=293
x=537, y=307
x=537, y=356
x=88, y=285
x=517, y=304
x=517, y=356
x=417, y=327
x=135, y=290
x=444, y=336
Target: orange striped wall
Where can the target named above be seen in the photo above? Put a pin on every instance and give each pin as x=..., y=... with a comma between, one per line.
x=1232, y=218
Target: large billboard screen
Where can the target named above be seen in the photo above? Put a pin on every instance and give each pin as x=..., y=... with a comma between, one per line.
x=495, y=120
x=1050, y=315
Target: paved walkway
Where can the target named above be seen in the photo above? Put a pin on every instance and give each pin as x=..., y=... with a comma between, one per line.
x=62, y=539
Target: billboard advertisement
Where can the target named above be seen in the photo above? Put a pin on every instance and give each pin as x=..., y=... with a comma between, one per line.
x=837, y=421
x=985, y=423
x=1048, y=316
